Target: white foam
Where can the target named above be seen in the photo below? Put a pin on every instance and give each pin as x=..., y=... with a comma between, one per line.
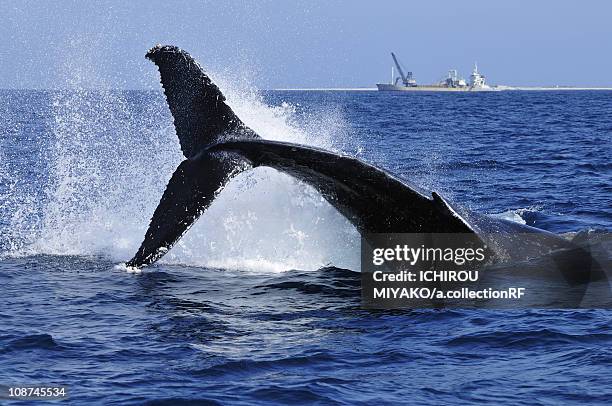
x=129, y=269
x=516, y=215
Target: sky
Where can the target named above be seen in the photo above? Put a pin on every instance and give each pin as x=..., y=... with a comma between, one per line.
x=305, y=44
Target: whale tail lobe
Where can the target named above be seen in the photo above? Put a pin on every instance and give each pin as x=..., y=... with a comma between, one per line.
x=201, y=116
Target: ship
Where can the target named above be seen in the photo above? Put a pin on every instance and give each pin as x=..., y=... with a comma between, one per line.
x=452, y=83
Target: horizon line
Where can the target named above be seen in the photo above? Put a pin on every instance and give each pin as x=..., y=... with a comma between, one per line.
x=283, y=89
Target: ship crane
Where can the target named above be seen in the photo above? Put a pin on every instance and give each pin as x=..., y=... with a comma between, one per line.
x=407, y=79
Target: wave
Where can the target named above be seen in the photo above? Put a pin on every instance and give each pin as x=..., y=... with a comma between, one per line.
x=31, y=342
x=527, y=339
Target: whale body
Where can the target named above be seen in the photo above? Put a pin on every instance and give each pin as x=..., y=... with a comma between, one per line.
x=217, y=146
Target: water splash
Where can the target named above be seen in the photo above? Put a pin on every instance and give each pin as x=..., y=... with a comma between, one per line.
x=104, y=160
x=111, y=153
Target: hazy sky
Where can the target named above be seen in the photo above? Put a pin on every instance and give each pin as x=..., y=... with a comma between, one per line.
x=307, y=43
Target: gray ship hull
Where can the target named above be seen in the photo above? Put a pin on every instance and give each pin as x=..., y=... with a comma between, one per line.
x=385, y=87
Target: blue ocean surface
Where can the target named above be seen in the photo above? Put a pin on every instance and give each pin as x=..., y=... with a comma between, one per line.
x=260, y=301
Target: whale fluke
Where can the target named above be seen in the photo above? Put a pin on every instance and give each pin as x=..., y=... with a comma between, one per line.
x=201, y=119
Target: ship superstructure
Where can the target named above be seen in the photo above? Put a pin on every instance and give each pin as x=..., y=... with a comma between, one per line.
x=477, y=80
x=453, y=80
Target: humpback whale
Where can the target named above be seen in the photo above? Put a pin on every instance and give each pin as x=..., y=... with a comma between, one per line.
x=217, y=146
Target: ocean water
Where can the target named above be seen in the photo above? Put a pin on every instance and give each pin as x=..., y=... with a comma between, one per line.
x=260, y=301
